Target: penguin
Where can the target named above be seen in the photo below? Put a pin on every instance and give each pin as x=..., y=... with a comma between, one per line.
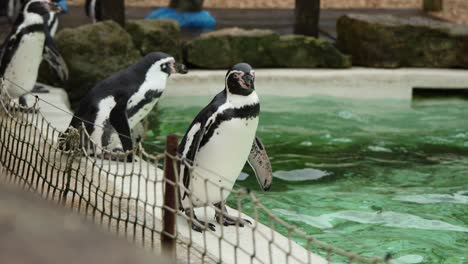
x=119, y=103
x=216, y=146
x=27, y=44
x=93, y=10
x=53, y=24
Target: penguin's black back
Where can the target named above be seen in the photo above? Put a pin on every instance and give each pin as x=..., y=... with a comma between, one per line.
x=121, y=85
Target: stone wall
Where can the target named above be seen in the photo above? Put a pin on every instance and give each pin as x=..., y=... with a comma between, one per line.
x=94, y=52
x=388, y=41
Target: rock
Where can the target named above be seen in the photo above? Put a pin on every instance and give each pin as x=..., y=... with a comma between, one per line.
x=389, y=41
x=261, y=48
x=223, y=48
x=92, y=52
x=156, y=35
x=297, y=51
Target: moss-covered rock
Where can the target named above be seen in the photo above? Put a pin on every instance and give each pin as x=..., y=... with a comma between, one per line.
x=297, y=51
x=389, y=41
x=223, y=48
x=261, y=48
x=92, y=53
x=156, y=35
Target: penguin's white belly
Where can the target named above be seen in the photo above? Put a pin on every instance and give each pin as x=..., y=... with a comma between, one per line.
x=141, y=114
x=133, y=122
x=221, y=160
x=105, y=108
x=24, y=66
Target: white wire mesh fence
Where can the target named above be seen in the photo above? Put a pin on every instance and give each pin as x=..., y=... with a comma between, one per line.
x=140, y=201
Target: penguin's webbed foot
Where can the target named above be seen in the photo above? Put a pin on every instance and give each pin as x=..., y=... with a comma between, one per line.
x=198, y=225
x=223, y=218
x=228, y=220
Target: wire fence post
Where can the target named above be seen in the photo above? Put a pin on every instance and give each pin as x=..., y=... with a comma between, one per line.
x=170, y=195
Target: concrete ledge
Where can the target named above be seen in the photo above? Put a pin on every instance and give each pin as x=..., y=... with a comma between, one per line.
x=252, y=244
x=364, y=83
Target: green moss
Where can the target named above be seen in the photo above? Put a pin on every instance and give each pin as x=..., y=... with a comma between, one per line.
x=388, y=41
x=262, y=48
x=307, y=52
x=224, y=48
x=92, y=53
x=156, y=35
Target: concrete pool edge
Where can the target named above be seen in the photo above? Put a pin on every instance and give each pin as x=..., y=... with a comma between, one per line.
x=362, y=83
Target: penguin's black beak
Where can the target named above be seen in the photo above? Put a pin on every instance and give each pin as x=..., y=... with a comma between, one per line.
x=178, y=68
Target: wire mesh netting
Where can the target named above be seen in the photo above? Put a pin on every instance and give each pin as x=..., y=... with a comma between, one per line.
x=138, y=197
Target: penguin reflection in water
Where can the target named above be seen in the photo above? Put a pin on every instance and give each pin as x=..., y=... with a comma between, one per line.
x=27, y=44
x=116, y=105
x=217, y=145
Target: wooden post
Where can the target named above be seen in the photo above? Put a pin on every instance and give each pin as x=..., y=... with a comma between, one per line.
x=433, y=5
x=113, y=10
x=307, y=17
x=187, y=5
x=170, y=200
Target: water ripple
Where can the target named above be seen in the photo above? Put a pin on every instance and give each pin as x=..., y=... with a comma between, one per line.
x=301, y=175
x=457, y=198
x=386, y=218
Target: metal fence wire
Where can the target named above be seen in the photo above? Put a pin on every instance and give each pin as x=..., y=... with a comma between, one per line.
x=139, y=200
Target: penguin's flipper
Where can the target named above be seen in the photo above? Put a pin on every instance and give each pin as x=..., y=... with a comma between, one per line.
x=53, y=57
x=118, y=119
x=195, y=136
x=260, y=163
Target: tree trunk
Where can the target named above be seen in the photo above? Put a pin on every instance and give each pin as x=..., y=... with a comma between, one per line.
x=187, y=5
x=113, y=10
x=432, y=5
x=307, y=17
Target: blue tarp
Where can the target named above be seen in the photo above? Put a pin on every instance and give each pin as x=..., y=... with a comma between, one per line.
x=202, y=19
x=63, y=5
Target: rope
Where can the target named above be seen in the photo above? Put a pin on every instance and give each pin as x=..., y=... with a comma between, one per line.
x=124, y=197
x=38, y=98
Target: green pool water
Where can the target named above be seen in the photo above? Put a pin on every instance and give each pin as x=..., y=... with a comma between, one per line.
x=368, y=176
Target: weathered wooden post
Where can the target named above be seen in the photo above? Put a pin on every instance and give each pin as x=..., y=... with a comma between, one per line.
x=307, y=17
x=170, y=199
x=432, y=5
x=113, y=10
x=187, y=5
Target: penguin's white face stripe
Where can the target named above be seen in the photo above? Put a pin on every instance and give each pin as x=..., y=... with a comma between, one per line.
x=231, y=73
x=161, y=62
x=155, y=79
x=29, y=19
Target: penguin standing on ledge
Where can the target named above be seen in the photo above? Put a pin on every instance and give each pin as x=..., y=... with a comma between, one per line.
x=117, y=104
x=25, y=47
x=218, y=143
x=53, y=24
